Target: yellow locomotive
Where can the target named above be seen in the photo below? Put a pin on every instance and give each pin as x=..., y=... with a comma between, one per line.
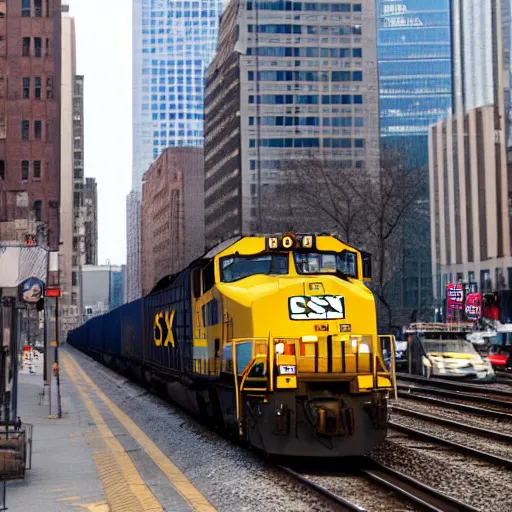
x=271, y=337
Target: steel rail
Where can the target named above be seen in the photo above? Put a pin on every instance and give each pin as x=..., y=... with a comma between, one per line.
x=426, y=497
x=339, y=500
x=449, y=384
x=430, y=438
x=405, y=487
x=470, y=429
x=456, y=394
x=454, y=405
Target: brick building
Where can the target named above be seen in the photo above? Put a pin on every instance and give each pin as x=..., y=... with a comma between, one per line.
x=172, y=214
x=30, y=77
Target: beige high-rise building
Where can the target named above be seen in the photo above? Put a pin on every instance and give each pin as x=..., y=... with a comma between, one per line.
x=469, y=184
x=285, y=86
x=68, y=57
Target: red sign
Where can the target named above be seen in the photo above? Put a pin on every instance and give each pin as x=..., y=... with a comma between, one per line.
x=474, y=305
x=455, y=296
x=52, y=292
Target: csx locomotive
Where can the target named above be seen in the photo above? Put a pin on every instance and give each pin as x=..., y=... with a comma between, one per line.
x=273, y=338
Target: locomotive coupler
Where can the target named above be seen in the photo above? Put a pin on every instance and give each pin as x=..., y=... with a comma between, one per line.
x=330, y=417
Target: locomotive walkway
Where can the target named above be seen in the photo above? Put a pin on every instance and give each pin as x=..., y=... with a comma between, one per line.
x=95, y=458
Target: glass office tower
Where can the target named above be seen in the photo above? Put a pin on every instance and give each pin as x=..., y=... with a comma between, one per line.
x=415, y=73
x=173, y=44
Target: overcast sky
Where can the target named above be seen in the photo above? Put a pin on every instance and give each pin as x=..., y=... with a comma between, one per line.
x=103, y=32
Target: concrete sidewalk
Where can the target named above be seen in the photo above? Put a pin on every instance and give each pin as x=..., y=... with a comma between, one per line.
x=64, y=476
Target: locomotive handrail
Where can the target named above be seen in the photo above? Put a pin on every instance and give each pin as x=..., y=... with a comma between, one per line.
x=392, y=371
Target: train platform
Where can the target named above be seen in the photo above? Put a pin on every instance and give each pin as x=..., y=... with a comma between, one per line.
x=94, y=458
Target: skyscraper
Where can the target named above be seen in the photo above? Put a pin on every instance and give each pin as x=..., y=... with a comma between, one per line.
x=290, y=80
x=68, y=219
x=470, y=185
x=414, y=51
x=173, y=43
x=30, y=83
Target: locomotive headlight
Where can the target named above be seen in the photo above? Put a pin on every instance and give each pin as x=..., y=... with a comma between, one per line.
x=279, y=348
x=364, y=348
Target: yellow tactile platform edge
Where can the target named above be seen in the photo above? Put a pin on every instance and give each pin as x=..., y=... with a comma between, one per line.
x=125, y=489
x=180, y=482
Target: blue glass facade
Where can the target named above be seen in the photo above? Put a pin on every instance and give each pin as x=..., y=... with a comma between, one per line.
x=117, y=288
x=173, y=43
x=415, y=71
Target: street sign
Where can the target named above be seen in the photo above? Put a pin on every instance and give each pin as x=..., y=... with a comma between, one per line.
x=31, y=290
x=53, y=292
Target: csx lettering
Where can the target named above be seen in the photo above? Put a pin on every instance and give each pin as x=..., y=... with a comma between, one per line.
x=321, y=307
x=162, y=327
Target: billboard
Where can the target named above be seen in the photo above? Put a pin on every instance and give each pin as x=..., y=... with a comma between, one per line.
x=474, y=306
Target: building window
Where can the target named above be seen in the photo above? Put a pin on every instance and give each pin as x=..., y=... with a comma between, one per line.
x=37, y=46
x=37, y=129
x=74, y=280
x=48, y=47
x=26, y=88
x=2, y=169
x=2, y=87
x=485, y=281
x=38, y=8
x=49, y=88
x=26, y=47
x=37, y=88
x=500, y=279
x=37, y=169
x=25, y=8
x=3, y=129
x=38, y=210
x=24, y=170
x=25, y=130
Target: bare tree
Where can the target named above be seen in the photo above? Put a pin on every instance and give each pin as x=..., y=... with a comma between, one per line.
x=367, y=207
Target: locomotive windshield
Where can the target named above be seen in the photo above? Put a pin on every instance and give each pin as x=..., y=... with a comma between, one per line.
x=326, y=263
x=234, y=268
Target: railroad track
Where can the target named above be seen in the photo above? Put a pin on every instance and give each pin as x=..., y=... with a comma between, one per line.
x=460, y=448
x=483, y=399
x=403, y=486
x=464, y=427
x=324, y=492
x=455, y=405
x=504, y=378
x=482, y=388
